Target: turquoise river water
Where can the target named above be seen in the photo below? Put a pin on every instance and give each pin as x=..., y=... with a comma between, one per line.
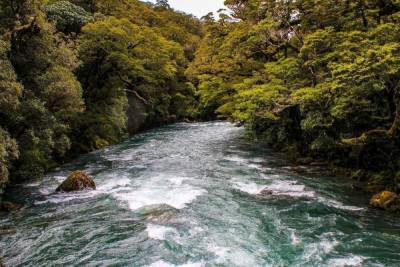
x=189, y=195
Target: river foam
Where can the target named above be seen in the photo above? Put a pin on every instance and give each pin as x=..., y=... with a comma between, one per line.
x=174, y=197
x=353, y=260
x=162, y=263
x=228, y=256
x=248, y=187
x=276, y=188
x=289, y=188
x=158, y=231
x=161, y=189
x=339, y=205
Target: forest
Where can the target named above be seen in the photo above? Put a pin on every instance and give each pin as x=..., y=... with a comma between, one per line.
x=319, y=80
x=80, y=75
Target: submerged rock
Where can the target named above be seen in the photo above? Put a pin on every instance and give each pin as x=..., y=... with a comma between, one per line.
x=239, y=124
x=285, y=191
x=9, y=206
x=386, y=200
x=159, y=214
x=7, y=230
x=77, y=181
x=266, y=192
x=304, y=161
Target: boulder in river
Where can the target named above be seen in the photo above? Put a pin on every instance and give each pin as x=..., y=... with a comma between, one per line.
x=386, y=200
x=159, y=214
x=77, y=181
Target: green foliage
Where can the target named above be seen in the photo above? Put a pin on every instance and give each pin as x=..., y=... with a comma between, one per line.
x=8, y=153
x=67, y=16
x=163, y=4
x=10, y=89
x=52, y=97
x=62, y=93
x=10, y=92
x=213, y=92
x=118, y=59
x=16, y=13
x=38, y=138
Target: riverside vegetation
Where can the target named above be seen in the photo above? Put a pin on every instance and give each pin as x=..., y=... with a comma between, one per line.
x=317, y=79
x=80, y=75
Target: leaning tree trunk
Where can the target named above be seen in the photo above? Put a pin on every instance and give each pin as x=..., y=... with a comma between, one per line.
x=396, y=120
x=396, y=124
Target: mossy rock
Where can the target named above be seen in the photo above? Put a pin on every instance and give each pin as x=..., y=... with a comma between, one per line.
x=386, y=200
x=100, y=143
x=77, y=181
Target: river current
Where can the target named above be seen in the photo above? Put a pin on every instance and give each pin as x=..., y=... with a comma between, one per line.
x=189, y=195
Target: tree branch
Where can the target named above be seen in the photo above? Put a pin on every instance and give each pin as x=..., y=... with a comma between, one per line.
x=133, y=91
x=138, y=96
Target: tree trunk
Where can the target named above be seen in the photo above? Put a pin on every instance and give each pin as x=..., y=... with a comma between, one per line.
x=396, y=124
x=361, y=6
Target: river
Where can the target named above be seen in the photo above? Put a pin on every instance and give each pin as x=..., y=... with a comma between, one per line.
x=188, y=195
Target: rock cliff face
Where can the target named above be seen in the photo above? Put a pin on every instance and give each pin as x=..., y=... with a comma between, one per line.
x=136, y=114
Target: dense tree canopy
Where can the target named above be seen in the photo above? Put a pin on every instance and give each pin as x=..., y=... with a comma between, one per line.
x=67, y=16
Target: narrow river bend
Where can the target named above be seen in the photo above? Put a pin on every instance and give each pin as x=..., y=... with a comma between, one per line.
x=187, y=195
